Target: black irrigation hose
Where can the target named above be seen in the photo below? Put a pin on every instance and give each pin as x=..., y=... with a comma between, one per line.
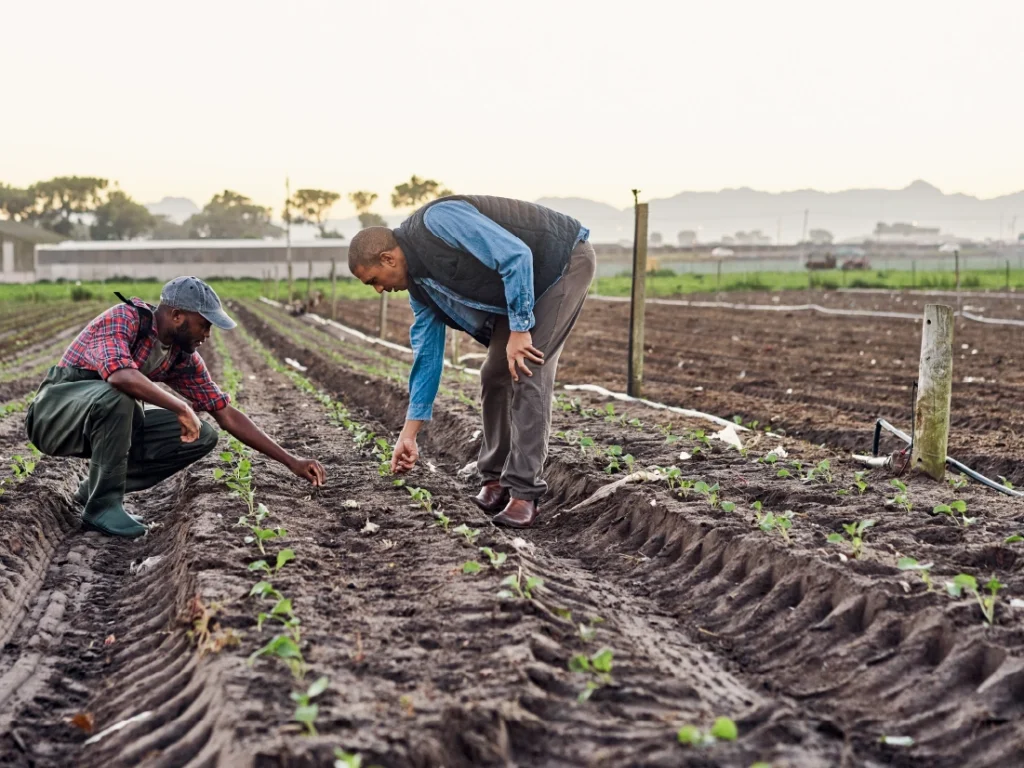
x=883, y=424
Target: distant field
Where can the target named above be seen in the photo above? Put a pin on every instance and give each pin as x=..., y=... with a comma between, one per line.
x=662, y=283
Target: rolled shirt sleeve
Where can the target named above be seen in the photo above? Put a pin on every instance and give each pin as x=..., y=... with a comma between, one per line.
x=196, y=385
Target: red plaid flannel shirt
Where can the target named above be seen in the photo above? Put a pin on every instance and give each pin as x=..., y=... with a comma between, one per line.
x=105, y=346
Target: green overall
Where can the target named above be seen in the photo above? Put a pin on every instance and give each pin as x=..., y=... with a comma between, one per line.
x=76, y=413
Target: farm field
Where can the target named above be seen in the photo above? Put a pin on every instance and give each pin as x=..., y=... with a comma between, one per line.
x=591, y=639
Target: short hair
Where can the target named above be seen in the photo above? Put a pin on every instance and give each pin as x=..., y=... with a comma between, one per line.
x=368, y=244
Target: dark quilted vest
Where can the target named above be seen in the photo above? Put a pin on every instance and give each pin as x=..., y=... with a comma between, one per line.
x=550, y=235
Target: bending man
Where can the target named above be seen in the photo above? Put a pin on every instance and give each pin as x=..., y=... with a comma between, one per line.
x=514, y=276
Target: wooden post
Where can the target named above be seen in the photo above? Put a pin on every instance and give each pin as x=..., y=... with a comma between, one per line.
x=636, y=310
x=1007, y=274
x=935, y=385
x=383, y=319
x=956, y=267
x=291, y=283
x=913, y=274
x=334, y=289
x=309, y=282
x=718, y=283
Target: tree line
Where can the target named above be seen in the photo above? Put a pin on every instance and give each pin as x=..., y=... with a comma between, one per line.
x=90, y=208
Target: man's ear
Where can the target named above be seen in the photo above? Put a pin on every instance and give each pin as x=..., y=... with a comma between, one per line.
x=387, y=258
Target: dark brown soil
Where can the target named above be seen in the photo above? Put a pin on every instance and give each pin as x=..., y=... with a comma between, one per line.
x=815, y=656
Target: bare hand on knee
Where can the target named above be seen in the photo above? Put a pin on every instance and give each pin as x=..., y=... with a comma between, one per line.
x=520, y=349
x=191, y=426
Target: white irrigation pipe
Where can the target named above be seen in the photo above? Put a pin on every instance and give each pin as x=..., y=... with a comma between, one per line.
x=807, y=308
x=476, y=372
x=922, y=292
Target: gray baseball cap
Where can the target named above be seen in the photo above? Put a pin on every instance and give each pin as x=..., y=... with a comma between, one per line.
x=193, y=295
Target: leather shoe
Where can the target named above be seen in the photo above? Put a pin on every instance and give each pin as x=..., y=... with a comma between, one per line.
x=492, y=497
x=520, y=513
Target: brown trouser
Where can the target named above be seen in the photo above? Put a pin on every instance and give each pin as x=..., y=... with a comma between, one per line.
x=517, y=416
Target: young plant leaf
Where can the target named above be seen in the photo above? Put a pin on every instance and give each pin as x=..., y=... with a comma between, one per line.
x=724, y=729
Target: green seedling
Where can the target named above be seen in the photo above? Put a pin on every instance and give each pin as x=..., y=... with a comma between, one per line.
x=589, y=631
x=902, y=497
x=343, y=759
x=287, y=650
x=723, y=729
x=597, y=667
x=769, y=521
x=709, y=492
x=264, y=589
x=284, y=556
x=442, y=520
x=516, y=588
x=1013, y=539
x=22, y=467
x=470, y=567
x=497, y=559
x=306, y=712
x=1006, y=483
x=953, y=509
x=282, y=612
x=924, y=569
x=821, y=472
x=609, y=412
x=728, y=506
x=769, y=458
x=855, y=533
x=965, y=583
x=956, y=483
x=636, y=423
x=469, y=533
x=423, y=497
x=783, y=473
x=858, y=480
x=586, y=442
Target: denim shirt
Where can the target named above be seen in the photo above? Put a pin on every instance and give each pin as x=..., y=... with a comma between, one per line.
x=462, y=226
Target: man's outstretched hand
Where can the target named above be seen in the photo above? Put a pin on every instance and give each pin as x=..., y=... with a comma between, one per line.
x=308, y=469
x=405, y=455
x=520, y=349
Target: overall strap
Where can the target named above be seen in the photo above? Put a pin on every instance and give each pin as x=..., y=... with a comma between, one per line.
x=145, y=322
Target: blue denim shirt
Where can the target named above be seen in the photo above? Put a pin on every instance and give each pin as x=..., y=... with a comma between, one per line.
x=462, y=226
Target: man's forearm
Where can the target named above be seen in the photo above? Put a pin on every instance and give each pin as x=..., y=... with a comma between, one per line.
x=411, y=428
x=133, y=383
x=241, y=426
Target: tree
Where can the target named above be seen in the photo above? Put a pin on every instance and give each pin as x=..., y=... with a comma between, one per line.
x=417, y=191
x=820, y=236
x=16, y=204
x=232, y=215
x=121, y=218
x=687, y=238
x=165, y=229
x=312, y=206
x=655, y=238
x=368, y=219
x=60, y=197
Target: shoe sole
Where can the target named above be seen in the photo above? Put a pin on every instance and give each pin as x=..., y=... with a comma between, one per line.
x=87, y=526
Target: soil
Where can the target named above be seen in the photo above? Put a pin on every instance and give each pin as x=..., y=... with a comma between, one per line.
x=815, y=654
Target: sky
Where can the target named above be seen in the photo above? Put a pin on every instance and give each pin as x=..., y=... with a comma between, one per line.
x=527, y=99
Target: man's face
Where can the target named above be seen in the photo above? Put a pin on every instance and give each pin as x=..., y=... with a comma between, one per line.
x=389, y=274
x=189, y=330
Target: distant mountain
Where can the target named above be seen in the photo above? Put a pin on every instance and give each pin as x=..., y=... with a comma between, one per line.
x=177, y=209
x=850, y=214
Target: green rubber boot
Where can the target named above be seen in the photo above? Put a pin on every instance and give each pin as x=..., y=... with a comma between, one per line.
x=104, y=511
x=82, y=496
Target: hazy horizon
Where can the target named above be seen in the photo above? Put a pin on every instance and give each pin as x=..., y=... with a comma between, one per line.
x=565, y=99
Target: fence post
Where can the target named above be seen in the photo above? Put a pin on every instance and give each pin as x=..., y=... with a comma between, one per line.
x=1007, y=274
x=718, y=284
x=913, y=274
x=935, y=385
x=334, y=289
x=309, y=283
x=956, y=267
x=382, y=320
x=639, y=295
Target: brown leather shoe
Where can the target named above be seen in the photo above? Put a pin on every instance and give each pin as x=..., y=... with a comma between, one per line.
x=492, y=497
x=519, y=513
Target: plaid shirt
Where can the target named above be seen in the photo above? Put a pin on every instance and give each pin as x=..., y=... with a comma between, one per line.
x=105, y=344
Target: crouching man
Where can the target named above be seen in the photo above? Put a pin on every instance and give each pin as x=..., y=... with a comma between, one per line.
x=513, y=275
x=91, y=405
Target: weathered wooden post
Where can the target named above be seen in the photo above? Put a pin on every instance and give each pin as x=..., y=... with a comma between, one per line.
x=309, y=283
x=718, y=282
x=334, y=289
x=934, y=388
x=639, y=295
x=383, y=319
x=1007, y=274
x=913, y=274
x=956, y=266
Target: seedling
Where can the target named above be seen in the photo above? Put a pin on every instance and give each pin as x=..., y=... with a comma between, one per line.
x=854, y=536
x=957, y=507
x=956, y=483
x=858, y=479
x=589, y=631
x=282, y=612
x=469, y=533
x=442, y=520
x=516, y=588
x=1013, y=539
x=821, y=472
x=723, y=729
x=924, y=569
x=423, y=497
x=770, y=521
x=470, y=567
x=284, y=556
x=769, y=458
x=287, y=650
x=609, y=412
x=343, y=759
x=709, y=492
x=614, y=453
x=22, y=467
x=597, y=667
x=965, y=583
x=497, y=558
x=264, y=589
x=1006, y=483
x=902, y=497
x=699, y=436
x=306, y=712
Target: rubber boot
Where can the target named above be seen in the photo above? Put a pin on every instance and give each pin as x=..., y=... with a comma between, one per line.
x=104, y=511
x=82, y=496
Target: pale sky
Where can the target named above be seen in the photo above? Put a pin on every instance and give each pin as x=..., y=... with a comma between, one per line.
x=525, y=99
